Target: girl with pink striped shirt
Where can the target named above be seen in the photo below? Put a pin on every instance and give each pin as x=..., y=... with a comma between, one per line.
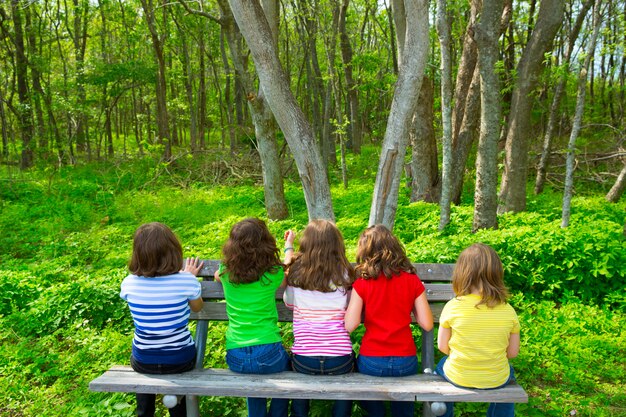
x=319, y=279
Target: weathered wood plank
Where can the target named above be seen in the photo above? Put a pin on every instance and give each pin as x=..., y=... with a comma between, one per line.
x=222, y=382
x=426, y=272
x=216, y=311
x=212, y=290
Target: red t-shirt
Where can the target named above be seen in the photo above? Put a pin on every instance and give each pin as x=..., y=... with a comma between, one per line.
x=388, y=304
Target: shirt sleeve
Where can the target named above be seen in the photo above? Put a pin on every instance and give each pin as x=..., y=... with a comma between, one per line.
x=419, y=287
x=360, y=287
x=288, y=297
x=445, y=317
x=124, y=290
x=516, y=325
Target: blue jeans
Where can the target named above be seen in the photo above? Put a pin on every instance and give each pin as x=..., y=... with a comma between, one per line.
x=388, y=366
x=146, y=402
x=261, y=359
x=322, y=365
x=494, y=410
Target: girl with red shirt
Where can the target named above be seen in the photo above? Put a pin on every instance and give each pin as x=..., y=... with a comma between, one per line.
x=388, y=289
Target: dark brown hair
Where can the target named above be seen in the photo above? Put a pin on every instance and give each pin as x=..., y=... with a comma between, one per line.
x=321, y=264
x=250, y=252
x=479, y=268
x=156, y=251
x=379, y=251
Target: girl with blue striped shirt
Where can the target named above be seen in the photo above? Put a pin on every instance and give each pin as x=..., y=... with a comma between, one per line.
x=160, y=297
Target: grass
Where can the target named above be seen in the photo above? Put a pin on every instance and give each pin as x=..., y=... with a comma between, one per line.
x=67, y=237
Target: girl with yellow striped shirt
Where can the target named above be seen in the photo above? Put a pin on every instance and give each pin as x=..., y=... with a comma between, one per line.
x=478, y=329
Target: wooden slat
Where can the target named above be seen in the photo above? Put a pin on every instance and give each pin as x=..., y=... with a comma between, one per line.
x=222, y=382
x=212, y=290
x=426, y=272
x=214, y=311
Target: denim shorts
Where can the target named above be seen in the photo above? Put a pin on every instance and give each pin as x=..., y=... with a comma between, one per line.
x=260, y=359
x=323, y=365
x=387, y=365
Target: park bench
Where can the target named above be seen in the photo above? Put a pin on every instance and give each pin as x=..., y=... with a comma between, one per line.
x=201, y=381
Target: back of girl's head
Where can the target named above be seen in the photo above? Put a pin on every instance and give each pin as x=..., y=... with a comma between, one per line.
x=379, y=251
x=479, y=268
x=156, y=251
x=321, y=259
x=250, y=252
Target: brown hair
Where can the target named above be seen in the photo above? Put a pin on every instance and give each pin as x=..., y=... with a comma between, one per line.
x=321, y=260
x=379, y=251
x=156, y=251
x=479, y=268
x=250, y=252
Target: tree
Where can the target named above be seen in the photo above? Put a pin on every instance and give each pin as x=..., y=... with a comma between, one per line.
x=580, y=106
x=412, y=16
x=514, y=178
x=253, y=24
x=486, y=34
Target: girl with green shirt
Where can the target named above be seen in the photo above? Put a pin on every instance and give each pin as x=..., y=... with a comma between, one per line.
x=251, y=271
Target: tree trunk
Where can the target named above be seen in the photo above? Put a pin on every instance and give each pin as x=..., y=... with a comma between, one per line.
x=559, y=90
x=163, y=129
x=292, y=121
x=514, y=178
x=615, y=193
x=354, y=128
x=24, y=113
x=425, y=184
x=580, y=107
x=443, y=31
x=412, y=63
x=486, y=34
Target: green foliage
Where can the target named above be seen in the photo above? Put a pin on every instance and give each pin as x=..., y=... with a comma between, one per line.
x=63, y=323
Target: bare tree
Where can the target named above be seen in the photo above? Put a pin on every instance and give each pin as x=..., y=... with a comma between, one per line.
x=413, y=52
x=580, y=106
x=486, y=34
x=253, y=24
x=513, y=185
x=615, y=193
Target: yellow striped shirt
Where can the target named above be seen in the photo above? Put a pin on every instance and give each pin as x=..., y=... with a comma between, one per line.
x=478, y=342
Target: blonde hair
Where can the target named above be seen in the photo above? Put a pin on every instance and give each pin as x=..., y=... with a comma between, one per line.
x=321, y=263
x=379, y=251
x=479, y=268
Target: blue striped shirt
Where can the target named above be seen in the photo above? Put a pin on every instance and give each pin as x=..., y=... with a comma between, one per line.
x=160, y=310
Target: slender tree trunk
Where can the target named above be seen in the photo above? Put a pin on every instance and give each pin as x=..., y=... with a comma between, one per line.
x=425, y=182
x=412, y=63
x=559, y=90
x=354, y=128
x=486, y=34
x=616, y=192
x=580, y=106
x=292, y=121
x=443, y=31
x=514, y=178
x=162, y=118
x=25, y=116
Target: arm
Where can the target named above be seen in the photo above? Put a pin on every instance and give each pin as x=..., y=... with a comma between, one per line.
x=196, y=305
x=423, y=314
x=290, y=236
x=353, y=313
x=443, y=337
x=216, y=276
x=514, y=343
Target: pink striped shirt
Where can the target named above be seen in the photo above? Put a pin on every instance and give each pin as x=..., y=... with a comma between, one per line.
x=318, y=322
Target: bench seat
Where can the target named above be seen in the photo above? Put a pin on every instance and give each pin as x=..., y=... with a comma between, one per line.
x=223, y=382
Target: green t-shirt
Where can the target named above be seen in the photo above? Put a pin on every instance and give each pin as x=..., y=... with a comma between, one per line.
x=251, y=309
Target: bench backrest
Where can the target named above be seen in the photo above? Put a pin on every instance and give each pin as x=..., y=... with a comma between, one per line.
x=436, y=278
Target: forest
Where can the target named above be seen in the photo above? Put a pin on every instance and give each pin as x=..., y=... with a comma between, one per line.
x=452, y=122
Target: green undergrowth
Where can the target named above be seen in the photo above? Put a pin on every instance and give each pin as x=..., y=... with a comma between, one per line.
x=67, y=238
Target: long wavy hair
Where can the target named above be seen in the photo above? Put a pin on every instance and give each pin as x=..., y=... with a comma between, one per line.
x=156, y=251
x=379, y=251
x=321, y=264
x=480, y=269
x=250, y=252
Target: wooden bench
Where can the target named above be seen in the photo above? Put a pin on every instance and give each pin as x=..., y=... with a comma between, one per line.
x=201, y=381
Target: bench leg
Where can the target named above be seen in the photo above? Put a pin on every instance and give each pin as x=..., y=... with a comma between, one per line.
x=193, y=408
x=202, y=330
